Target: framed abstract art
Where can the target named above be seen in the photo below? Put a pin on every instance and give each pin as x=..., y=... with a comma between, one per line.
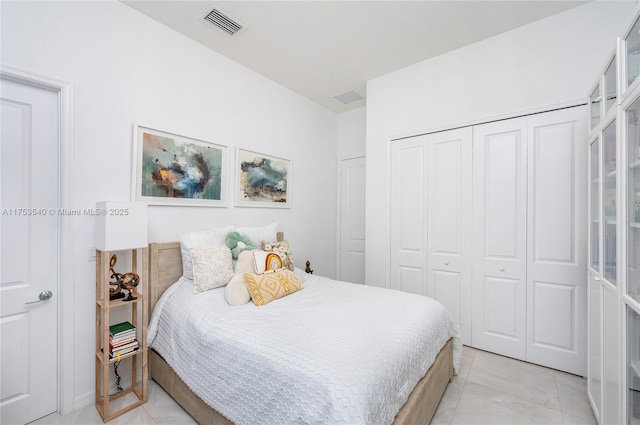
x=178, y=170
x=262, y=180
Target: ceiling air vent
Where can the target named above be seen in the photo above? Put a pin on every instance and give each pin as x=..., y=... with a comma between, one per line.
x=223, y=22
x=348, y=97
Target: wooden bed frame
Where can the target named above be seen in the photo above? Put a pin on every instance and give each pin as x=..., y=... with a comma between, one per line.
x=165, y=268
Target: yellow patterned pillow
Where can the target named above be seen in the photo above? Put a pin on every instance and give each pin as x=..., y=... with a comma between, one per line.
x=269, y=286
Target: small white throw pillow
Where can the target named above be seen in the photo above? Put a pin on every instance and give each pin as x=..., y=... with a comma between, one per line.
x=204, y=239
x=236, y=292
x=212, y=267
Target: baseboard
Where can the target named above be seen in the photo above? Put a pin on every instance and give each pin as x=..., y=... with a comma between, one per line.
x=90, y=397
x=84, y=400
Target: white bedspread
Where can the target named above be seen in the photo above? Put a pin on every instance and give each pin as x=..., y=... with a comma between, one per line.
x=332, y=353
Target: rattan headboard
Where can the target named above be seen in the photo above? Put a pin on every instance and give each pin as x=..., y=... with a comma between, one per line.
x=165, y=268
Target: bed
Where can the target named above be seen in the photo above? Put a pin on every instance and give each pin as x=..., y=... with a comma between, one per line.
x=166, y=272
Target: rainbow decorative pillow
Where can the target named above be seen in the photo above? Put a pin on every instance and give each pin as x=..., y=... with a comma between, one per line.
x=269, y=286
x=264, y=261
x=282, y=249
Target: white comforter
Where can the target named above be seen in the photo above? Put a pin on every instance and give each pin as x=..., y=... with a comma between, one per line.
x=332, y=353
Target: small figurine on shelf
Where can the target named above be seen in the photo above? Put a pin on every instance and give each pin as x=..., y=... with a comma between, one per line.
x=129, y=281
x=308, y=268
x=121, y=281
x=115, y=293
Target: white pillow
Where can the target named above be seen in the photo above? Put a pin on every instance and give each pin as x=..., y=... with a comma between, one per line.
x=245, y=263
x=205, y=239
x=257, y=234
x=236, y=292
x=212, y=267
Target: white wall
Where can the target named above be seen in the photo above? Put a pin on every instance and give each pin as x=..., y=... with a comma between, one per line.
x=352, y=126
x=548, y=62
x=126, y=68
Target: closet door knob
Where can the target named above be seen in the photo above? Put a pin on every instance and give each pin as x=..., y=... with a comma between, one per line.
x=446, y=263
x=501, y=268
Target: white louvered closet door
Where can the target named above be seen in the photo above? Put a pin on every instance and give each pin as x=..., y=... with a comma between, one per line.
x=499, y=237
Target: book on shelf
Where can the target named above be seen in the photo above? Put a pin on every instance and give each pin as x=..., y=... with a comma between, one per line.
x=131, y=344
x=121, y=328
x=123, y=336
x=123, y=352
x=119, y=345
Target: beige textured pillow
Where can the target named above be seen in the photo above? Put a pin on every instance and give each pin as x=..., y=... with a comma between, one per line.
x=212, y=267
x=283, y=250
x=204, y=239
x=244, y=264
x=267, y=287
x=236, y=292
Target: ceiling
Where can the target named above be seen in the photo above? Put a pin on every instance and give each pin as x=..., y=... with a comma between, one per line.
x=321, y=49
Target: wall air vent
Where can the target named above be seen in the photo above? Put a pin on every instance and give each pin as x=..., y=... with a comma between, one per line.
x=223, y=22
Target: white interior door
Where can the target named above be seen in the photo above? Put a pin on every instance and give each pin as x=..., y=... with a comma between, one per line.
x=352, y=219
x=556, y=240
x=29, y=252
x=499, y=245
x=408, y=268
x=449, y=223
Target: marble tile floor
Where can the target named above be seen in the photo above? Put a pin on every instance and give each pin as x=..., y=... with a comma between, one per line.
x=490, y=389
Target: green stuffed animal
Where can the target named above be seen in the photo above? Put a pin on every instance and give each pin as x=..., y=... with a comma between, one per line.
x=237, y=242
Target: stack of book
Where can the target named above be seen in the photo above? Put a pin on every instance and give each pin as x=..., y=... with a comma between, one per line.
x=122, y=339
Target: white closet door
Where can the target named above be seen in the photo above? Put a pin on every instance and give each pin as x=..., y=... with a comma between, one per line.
x=430, y=220
x=449, y=223
x=499, y=246
x=556, y=266
x=408, y=268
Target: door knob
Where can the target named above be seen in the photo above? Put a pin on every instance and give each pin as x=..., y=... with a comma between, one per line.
x=446, y=263
x=43, y=296
x=501, y=268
